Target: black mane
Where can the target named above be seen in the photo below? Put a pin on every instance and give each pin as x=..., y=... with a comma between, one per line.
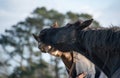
x=104, y=38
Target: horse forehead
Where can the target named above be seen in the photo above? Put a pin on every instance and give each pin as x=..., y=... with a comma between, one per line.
x=66, y=31
x=44, y=30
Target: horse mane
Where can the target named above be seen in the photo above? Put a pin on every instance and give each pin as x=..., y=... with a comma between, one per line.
x=106, y=40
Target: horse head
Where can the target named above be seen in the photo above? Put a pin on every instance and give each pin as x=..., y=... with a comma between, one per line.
x=47, y=48
x=62, y=38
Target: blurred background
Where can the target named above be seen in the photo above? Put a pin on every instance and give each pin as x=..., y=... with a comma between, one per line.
x=19, y=55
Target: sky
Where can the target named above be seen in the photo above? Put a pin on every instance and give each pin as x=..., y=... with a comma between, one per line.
x=106, y=12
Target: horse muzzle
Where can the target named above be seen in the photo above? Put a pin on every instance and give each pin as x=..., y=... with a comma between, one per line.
x=44, y=48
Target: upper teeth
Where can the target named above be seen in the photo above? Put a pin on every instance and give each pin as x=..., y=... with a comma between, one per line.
x=49, y=47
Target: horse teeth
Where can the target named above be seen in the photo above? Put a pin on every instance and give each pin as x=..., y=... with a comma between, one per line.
x=49, y=47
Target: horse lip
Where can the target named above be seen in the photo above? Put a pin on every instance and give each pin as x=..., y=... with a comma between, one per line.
x=41, y=47
x=49, y=48
x=44, y=48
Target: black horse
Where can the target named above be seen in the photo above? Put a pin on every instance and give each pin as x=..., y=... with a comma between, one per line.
x=100, y=45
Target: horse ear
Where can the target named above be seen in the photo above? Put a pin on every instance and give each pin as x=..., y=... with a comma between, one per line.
x=55, y=25
x=86, y=24
x=36, y=37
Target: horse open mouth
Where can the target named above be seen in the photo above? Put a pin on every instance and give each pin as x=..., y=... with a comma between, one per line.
x=46, y=48
x=49, y=49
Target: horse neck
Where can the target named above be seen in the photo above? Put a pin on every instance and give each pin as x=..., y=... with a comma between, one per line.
x=96, y=60
x=86, y=50
x=67, y=59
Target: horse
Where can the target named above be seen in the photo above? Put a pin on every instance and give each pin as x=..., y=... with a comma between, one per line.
x=75, y=63
x=99, y=45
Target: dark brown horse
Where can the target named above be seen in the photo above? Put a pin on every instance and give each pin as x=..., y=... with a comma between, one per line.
x=75, y=63
x=101, y=46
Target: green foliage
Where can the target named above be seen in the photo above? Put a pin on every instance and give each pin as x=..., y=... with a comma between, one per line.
x=20, y=46
x=85, y=16
x=72, y=16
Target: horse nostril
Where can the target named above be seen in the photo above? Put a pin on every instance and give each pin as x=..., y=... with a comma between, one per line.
x=41, y=47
